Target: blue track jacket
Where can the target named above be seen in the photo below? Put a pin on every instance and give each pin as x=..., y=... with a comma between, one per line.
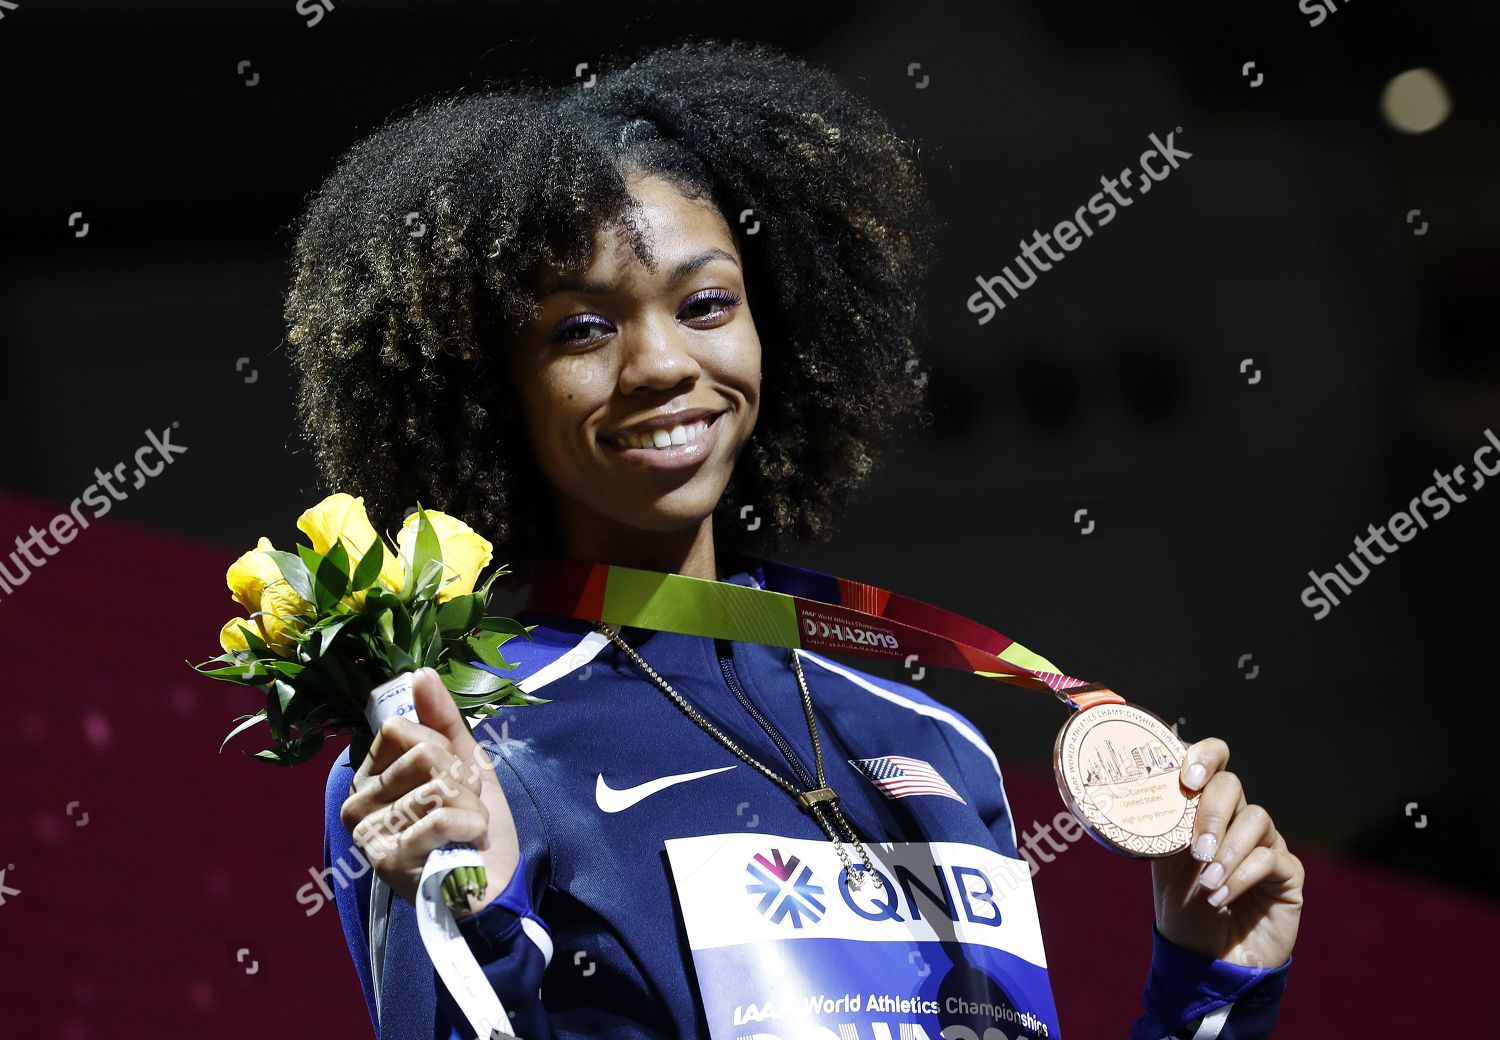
x=584, y=941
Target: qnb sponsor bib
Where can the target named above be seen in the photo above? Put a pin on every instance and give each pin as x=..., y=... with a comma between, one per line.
x=950, y=947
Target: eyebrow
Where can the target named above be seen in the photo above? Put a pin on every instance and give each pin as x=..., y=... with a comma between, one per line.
x=551, y=283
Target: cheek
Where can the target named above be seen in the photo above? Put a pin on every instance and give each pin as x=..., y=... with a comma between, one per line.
x=739, y=363
x=561, y=398
x=577, y=381
x=751, y=376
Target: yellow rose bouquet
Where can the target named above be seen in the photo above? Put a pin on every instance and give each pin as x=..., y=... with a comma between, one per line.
x=335, y=630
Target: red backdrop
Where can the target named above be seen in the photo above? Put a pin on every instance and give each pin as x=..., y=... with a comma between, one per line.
x=145, y=860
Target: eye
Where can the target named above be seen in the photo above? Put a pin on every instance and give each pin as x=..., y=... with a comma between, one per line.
x=566, y=331
x=712, y=303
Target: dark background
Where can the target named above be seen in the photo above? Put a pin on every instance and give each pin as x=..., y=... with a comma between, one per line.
x=1111, y=384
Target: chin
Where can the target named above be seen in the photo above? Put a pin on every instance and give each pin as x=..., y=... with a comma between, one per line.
x=685, y=517
x=684, y=506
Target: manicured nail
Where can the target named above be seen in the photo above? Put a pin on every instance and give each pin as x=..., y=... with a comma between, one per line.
x=1205, y=847
x=1218, y=895
x=1196, y=774
x=1212, y=875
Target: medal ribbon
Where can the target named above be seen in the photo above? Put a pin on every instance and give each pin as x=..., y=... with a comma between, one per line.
x=803, y=609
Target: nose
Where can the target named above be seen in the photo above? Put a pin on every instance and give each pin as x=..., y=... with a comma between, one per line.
x=658, y=355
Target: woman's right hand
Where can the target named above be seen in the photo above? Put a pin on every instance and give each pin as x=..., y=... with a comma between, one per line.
x=425, y=785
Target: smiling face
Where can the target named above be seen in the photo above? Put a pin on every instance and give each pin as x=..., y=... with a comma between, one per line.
x=637, y=389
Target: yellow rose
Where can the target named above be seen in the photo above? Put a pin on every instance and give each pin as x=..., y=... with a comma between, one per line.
x=465, y=553
x=251, y=573
x=342, y=518
x=256, y=584
x=232, y=636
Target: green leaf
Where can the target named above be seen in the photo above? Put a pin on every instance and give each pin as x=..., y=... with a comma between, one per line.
x=467, y=680
x=424, y=631
x=250, y=674
x=483, y=647
x=250, y=720
x=369, y=566
x=423, y=617
x=400, y=660
x=483, y=591
x=300, y=749
x=385, y=626
x=310, y=557
x=405, y=620
x=381, y=598
x=286, y=669
x=341, y=683
x=434, y=655
x=458, y=615
x=327, y=632
x=477, y=700
x=296, y=573
x=509, y=626
x=400, y=633
x=332, y=577
x=428, y=548
x=278, y=696
x=428, y=579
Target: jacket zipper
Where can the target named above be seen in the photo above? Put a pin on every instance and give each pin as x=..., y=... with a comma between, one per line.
x=786, y=750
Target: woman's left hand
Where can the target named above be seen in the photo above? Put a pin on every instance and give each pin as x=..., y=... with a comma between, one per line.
x=1254, y=878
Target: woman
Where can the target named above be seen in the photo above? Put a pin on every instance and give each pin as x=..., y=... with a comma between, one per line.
x=532, y=310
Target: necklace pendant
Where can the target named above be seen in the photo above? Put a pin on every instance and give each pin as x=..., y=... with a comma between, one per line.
x=809, y=800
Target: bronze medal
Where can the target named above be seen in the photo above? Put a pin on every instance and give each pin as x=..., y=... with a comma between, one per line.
x=1118, y=767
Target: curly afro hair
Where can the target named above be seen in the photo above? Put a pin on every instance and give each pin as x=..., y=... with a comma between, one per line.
x=414, y=261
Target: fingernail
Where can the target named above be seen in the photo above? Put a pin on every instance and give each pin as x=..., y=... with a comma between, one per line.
x=1196, y=774
x=1218, y=895
x=1205, y=847
x=1212, y=875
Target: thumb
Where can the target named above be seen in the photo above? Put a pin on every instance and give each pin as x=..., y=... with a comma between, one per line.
x=436, y=711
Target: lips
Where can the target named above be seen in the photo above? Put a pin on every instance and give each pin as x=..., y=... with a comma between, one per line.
x=686, y=418
x=683, y=444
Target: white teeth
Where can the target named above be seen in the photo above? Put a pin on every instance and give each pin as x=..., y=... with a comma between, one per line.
x=677, y=435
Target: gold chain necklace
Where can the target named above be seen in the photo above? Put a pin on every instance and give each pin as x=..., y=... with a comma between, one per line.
x=814, y=801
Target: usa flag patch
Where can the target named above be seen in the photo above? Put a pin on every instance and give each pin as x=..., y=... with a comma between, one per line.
x=900, y=777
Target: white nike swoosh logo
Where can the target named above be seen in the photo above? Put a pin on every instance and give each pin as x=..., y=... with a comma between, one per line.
x=612, y=801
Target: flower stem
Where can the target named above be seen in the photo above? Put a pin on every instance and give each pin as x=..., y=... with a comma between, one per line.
x=461, y=884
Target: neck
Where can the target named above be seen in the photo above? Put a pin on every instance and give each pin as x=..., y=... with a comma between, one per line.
x=587, y=535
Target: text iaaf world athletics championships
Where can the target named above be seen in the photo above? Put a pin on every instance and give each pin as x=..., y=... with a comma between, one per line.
x=822, y=1004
